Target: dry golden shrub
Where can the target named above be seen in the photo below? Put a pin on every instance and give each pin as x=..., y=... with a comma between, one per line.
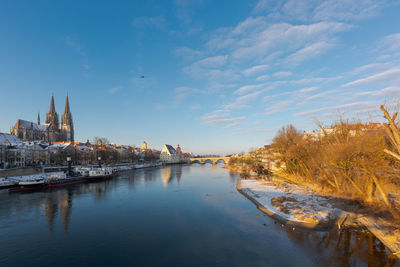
x=348, y=160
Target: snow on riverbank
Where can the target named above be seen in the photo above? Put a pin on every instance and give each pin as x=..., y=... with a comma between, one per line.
x=291, y=203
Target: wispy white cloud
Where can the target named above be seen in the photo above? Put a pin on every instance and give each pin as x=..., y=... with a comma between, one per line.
x=241, y=101
x=277, y=37
x=390, y=43
x=181, y=93
x=221, y=118
x=255, y=70
x=279, y=106
x=262, y=6
x=274, y=96
x=262, y=78
x=265, y=52
x=348, y=10
x=211, y=68
x=371, y=67
x=282, y=74
x=384, y=92
x=308, y=52
x=249, y=97
x=250, y=25
x=388, y=77
x=339, y=108
x=323, y=94
x=316, y=80
x=211, y=62
x=187, y=53
x=308, y=89
x=247, y=88
x=321, y=10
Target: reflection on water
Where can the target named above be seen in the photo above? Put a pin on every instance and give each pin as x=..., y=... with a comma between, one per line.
x=195, y=210
x=169, y=173
x=343, y=248
x=58, y=200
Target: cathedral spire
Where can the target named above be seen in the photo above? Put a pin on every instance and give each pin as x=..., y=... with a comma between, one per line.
x=66, y=109
x=52, y=116
x=67, y=124
x=52, y=106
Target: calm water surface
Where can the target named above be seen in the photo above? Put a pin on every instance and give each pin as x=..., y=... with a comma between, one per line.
x=175, y=216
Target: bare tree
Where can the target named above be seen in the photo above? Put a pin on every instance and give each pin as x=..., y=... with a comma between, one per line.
x=101, y=141
x=394, y=133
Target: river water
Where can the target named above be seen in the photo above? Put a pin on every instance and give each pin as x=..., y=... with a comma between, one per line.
x=170, y=216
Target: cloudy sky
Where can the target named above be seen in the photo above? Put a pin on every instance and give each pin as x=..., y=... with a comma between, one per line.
x=219, y=76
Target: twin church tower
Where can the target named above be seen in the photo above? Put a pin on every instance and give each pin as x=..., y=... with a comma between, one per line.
x=51, y=130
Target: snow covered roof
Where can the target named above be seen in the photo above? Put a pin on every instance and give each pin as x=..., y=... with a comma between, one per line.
x=60, y=145
x=169, y=149
x=122, y=149
x=33, y=145
x=9, y=139
x=29, y=124
x=83, y=147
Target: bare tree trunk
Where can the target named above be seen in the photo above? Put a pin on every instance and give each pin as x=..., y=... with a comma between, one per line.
x=393, y=132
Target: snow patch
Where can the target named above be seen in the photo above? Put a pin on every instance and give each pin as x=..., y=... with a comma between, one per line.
x=291, y=202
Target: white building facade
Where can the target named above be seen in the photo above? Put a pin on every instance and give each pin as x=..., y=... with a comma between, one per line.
x=169, y=155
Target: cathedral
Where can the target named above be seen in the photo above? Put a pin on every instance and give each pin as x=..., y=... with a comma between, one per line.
x=51, y=131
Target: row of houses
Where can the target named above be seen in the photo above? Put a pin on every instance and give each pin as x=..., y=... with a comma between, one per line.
x=17, y=153
x=352, y=128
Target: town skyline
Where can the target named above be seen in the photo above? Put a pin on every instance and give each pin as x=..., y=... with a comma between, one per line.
x=184, y=72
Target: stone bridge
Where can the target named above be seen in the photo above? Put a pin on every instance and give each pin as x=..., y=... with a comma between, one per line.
x=210, y=160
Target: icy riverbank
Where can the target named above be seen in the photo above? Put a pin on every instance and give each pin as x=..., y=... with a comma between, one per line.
x=292, y=204
x=299, y=206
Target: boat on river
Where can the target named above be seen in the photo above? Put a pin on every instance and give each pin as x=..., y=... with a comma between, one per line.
x=32, y=183
x=83, y=171
x=78, y=175
x=39, y=185
x=100, y=173
x=44, y=183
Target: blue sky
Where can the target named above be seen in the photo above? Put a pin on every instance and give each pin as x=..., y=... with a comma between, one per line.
x=219, y=76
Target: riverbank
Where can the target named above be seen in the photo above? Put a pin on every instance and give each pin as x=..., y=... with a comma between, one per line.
x=301, y=207
x=291, y=204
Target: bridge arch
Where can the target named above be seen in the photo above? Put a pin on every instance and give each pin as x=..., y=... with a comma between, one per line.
x=215, y=160
x=220, y=161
